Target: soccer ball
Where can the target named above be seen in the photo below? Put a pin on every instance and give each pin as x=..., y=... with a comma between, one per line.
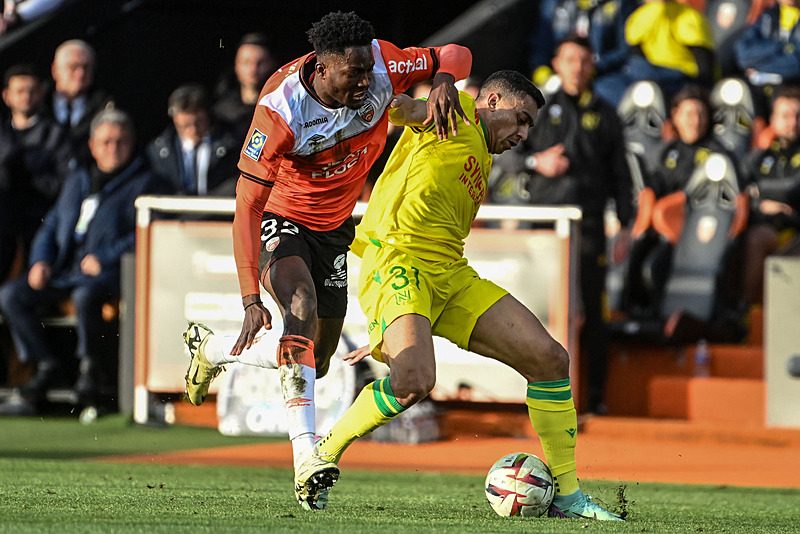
x=520, y=484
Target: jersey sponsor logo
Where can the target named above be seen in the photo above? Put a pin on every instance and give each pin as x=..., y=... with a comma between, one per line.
x=341, y=166
x=272, y=244
x=316, y=139
x=406, y=67
x=367, y=112
x=339, y=261
x=255, y=145
x=339, y=276
x=315, y=122
x=472, y=178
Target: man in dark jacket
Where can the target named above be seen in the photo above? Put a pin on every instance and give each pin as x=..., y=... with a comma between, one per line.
x=44, y=153
x=76, y=255
x=576, y=156
x=237, y=92
x=197, y=157
x=73, y=99
x=772, y=175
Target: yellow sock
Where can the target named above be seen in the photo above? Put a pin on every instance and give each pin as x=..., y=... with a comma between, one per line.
x=553, y=415
x=374, y=407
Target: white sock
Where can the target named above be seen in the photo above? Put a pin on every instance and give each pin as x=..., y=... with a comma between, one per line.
x=301, y=443
x=297, y=383
x=260, y=354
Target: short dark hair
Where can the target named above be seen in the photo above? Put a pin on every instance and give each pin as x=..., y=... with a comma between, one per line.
x=256, y=39
x=21, y=69
x=513, y=83
x=575, y=39
x=692, y=92
x=190, y=98
x=792, y=92
x=336, y=32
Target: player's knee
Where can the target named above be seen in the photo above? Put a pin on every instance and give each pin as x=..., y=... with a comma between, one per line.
x=550, y=363
x=413, y=386
x=555, y=361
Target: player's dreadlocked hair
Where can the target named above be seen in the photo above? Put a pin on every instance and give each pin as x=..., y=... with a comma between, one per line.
x=513, y=83
x=337, y=31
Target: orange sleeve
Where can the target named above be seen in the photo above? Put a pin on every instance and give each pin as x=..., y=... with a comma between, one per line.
x=268, y=139
x=251, y=197
x=455, y=60
x=410, y=66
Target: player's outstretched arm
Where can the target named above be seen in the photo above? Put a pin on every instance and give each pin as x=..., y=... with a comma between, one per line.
x=251, y=197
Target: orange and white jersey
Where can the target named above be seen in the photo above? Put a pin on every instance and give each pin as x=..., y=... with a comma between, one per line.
x=316, y=158
x=307, y=161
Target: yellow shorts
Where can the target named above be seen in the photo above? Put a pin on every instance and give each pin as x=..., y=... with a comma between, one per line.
x=450, y=294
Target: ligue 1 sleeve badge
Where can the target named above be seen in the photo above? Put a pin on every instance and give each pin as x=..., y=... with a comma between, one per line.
x=367, y=112
x=255, y=145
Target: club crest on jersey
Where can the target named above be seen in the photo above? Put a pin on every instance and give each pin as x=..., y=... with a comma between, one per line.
x=255, y=145
x=272, y=244
x=367, y=112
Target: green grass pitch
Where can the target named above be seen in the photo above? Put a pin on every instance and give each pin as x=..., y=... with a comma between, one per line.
x=49, y=484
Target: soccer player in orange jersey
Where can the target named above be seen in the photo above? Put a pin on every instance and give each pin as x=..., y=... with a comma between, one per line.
x=319, y=125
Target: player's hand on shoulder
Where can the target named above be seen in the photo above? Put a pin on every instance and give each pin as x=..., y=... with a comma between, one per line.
x=407, y=111
x=256, y=316
x=444, y=106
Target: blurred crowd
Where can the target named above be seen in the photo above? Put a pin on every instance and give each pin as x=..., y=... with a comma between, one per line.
x=673, y=125
x=70, y=170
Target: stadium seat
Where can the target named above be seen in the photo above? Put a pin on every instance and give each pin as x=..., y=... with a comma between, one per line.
x=734, y=120
x=701, y=223
x=643, y=113
x=681, y=274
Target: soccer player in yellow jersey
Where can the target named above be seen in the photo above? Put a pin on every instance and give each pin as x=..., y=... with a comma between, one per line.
x=416, y=283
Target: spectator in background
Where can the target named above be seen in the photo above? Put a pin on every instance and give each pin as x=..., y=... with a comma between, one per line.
x=677, y=160
x=237, y=93
x=44, y=153
x=76, y=255
x=73, y=100
x=672, y=45
x=768, y=51
x=772, y=174
x=601, y=21
x=576, y=156
x=19, y=12
x=197, y=157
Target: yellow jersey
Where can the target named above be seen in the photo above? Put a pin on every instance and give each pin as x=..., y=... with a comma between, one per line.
x=665, y=31
x=430, y=190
